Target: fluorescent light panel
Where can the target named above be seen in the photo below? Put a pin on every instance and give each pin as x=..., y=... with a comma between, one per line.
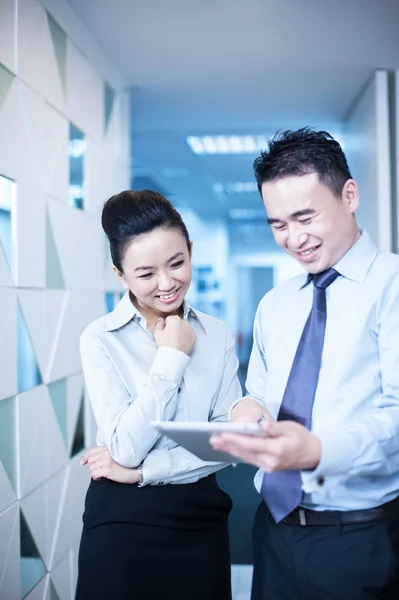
x=227, y=144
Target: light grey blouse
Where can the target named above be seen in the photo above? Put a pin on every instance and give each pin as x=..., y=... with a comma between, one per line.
x=131, y=382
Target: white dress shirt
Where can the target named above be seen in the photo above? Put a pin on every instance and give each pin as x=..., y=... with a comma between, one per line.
x=356, y=406
x=131, y=382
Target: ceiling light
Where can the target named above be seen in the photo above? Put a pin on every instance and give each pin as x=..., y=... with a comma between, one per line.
x=227, y=144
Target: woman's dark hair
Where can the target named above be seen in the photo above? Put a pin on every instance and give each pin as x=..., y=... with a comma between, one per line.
x=130, y=214
x=302, y=152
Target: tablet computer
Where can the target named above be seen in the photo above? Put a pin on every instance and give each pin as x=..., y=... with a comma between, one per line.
x=194, y=436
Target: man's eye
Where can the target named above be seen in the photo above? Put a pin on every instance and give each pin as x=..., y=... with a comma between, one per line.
x=177, y=264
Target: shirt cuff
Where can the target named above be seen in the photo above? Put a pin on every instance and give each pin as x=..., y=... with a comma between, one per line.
x=157, y=467
x=337, y=452
x=244, y=398
x=170, y=363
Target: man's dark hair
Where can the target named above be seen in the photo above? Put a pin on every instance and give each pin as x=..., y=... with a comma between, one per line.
x=131, y=214
x=302, y=152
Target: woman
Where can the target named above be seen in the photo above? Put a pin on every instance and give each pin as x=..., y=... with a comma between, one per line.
x=154, y=358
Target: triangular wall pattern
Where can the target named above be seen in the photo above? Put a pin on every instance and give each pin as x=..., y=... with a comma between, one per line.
x=59, y=38
x=109, y=97
x=28, y=369
x=6, y=79
x=54, y=277
x=58, y=395
x=32, y=566
x=7, y=439
x=79, y=436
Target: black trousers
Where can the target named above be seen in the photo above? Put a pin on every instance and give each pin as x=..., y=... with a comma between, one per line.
x=155, y=542
x=340, y=562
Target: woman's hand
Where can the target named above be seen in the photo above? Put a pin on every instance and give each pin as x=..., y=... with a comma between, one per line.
x=175, y=332
x=101, y=464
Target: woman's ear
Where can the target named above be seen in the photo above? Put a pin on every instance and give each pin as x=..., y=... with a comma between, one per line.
x=190, y=250
x=120, y=276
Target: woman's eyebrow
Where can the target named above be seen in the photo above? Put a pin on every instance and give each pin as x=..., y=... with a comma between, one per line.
x=169, y=260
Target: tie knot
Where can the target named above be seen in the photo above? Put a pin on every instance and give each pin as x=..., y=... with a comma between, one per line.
x=324, y=279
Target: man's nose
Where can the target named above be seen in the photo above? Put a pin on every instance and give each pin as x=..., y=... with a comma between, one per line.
x=296, y=238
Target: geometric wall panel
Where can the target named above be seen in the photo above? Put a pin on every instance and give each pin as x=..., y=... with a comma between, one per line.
x=32, y=566
x=54, y=276
x=8, y=343
x=6, y=79
x=43, y=310
x=6, y=212
x=109, y=97
x=52, y=282
x=81, y=262
x=78, y=442
x=59, y=41
x=40, y=591
x=61, y=577
x=10, y=580
x=58, y=395
x=42, y=509
x=37, y=60
x=28, y=369
x=82, y=307
x=41, y=447
x=7, y=494
x=76, y=151
x=7, y=34
x=8, y=439
x=30, y=225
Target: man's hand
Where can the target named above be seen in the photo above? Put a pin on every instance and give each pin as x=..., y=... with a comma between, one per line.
x=286, y=446
x=101, y=464
x=175, y=332
x=249, y=411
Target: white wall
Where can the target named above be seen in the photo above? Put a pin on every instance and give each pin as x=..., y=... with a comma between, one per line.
x=367, y=147
x=38, y=426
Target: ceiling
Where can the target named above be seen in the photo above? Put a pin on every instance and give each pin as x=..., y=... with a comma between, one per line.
x=235, y=67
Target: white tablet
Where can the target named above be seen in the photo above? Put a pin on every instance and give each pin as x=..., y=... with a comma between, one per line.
x=194, y=436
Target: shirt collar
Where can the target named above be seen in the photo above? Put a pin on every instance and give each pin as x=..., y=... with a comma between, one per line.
x=357, y=260
x=125, y=311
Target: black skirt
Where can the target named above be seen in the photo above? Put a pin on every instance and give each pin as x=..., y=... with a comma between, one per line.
x=155, y=542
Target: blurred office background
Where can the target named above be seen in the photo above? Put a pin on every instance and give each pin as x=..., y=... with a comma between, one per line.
x=97, y=96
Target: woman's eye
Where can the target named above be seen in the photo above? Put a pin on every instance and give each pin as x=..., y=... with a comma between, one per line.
x=145, y=276
x=279, y=227
x=178, y=264
x=305, y=221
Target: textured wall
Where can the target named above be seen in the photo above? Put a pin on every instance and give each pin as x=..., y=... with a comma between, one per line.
x=54, y=279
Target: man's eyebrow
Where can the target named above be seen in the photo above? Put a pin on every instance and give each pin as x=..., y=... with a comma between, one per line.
x=298, y=213
x=169, y=260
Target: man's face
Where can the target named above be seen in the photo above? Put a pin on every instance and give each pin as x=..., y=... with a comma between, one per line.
x=309, y=222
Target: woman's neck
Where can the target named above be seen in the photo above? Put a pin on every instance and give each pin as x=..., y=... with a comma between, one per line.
x=152, y=317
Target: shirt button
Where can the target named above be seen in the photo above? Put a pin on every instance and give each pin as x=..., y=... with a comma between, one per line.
x=320, y=480
x=179, y=390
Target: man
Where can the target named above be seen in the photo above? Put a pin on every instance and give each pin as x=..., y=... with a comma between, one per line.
x=323, y=379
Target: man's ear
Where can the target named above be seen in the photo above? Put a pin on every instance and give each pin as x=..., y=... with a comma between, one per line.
x=350, y=195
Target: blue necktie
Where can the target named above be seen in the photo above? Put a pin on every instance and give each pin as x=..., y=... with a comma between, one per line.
x=282, y=491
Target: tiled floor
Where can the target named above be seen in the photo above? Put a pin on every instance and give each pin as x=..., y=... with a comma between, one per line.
x=241, y=578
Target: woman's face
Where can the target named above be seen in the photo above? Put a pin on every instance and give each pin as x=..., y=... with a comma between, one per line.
x=157, y=271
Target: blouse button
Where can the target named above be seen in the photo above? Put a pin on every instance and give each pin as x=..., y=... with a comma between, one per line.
x=320, y=480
